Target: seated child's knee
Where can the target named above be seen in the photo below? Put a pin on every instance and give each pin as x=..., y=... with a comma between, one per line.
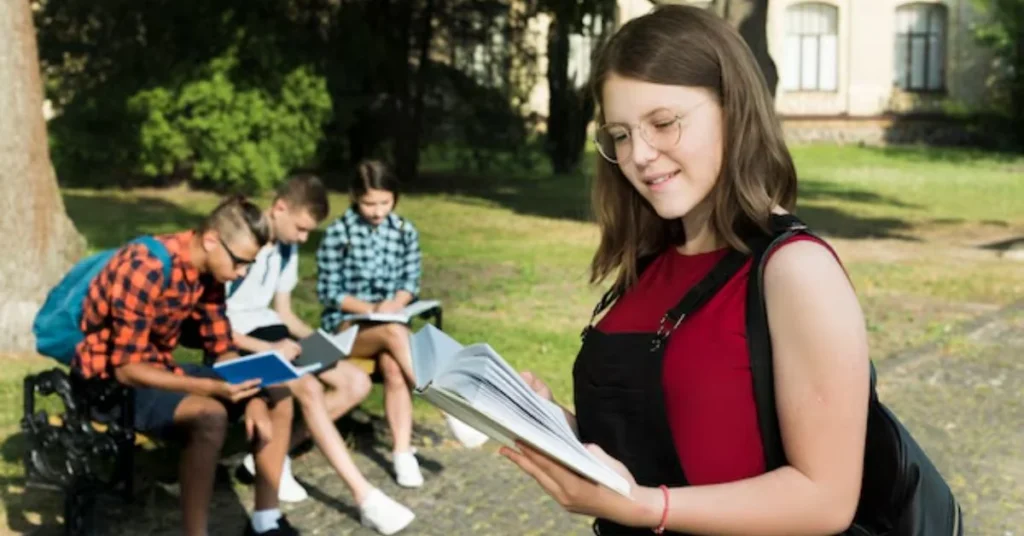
x=210, y=420
x=359, y=385
x=397, y=331
x=308, y=390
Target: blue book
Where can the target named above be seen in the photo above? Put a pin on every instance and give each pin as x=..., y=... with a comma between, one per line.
x=268, y=367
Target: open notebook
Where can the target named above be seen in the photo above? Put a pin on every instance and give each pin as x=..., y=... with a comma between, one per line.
x=320, y=351
x=404, y=316
x=475, y=385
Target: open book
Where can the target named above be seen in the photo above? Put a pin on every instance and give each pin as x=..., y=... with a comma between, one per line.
x=320, y=351
x=475, y=385
x=410, y=311
x=325, y=349
x=269, y=367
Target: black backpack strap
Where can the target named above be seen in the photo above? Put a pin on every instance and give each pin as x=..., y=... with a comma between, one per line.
x=759, y=342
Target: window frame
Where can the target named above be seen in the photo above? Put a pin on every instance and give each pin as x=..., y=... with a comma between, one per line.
x=931, y=12
x=833, y=11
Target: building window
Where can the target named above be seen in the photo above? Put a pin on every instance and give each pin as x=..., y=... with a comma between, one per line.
x=920, y=47
x=811, y=51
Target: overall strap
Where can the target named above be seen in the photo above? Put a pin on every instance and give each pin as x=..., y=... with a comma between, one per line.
x=616, y=291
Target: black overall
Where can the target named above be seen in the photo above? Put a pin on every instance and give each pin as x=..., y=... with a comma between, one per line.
x=617, y=387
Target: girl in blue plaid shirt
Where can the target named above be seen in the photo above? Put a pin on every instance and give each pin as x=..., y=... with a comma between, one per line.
x=369, y=261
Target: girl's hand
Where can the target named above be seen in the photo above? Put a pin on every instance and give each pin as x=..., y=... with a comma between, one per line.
x=537, y=385
x=580, y=495
x=388, y=306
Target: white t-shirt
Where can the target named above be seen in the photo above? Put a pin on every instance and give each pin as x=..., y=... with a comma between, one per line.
x=249, y=305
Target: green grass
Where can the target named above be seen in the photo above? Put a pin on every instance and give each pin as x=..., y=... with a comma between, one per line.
x=508, y=253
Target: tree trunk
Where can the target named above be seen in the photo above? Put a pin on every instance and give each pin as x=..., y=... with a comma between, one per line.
x=37, y=238
x=750, y=17
x=408, y=151
x=560, y=96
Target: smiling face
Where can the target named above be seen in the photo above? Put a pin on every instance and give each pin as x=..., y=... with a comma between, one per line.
x=672, y=154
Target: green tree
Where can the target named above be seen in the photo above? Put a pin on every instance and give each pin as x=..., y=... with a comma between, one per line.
x=1003, y=32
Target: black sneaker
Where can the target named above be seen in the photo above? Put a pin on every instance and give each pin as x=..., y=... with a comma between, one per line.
x=284, y=528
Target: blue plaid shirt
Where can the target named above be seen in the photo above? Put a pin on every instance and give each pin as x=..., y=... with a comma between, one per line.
x=366, y=262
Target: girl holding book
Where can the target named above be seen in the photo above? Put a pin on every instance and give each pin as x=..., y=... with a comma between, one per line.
x=692, y=160
x=370, y=261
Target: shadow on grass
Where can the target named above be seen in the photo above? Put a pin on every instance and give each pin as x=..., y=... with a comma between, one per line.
x=567, y=197
x=108, y=220
x=551, y=196
x=1016, y=243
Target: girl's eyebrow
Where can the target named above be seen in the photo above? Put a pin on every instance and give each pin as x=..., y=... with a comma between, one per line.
x=645, y=116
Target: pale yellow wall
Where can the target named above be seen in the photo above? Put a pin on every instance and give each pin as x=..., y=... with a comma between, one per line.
x=866, y=61
x=866, y=54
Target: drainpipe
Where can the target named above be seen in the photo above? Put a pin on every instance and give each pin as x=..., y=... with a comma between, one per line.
x=849, y=54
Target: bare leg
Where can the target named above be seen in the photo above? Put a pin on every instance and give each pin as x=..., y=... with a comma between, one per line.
x=354, y=385
x=391, y=338
x=270, y=456
x=397, y=402
x=205, y=421
x=347, y=385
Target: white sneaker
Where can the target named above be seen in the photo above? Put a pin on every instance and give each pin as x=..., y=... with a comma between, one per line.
x=289, y=489
x=407, y=470
x=469, y=437
x=383, y=514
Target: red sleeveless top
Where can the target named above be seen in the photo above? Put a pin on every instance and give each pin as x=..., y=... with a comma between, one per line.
x=706, y=374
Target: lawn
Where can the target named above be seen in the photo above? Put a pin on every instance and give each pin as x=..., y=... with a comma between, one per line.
x=508, y=254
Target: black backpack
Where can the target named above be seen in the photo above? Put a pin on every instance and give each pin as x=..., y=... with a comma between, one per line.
x=902, y=493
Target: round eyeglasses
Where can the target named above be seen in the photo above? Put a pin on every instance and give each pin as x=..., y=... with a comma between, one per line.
x=615, y=140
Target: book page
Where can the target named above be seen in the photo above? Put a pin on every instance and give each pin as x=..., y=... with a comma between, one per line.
x=431, y=350
x=493, y=419
x=324, y=348
x=418, y=307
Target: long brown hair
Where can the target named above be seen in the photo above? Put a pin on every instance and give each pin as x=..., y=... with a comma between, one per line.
x=688, y=46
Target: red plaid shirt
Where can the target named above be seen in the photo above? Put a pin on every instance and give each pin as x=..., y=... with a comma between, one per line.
x=128, y=316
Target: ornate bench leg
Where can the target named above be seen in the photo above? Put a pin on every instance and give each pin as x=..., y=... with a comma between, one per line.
x=80, y=508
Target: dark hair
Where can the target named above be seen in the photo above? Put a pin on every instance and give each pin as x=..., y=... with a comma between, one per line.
x=237, y=215
x=373, y=175
x=688, y=46
x=305, y=191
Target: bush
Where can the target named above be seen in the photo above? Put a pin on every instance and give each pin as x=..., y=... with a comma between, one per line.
x=209, y=130
x=228, y=137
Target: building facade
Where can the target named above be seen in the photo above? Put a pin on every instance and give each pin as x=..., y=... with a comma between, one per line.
x=849, y=69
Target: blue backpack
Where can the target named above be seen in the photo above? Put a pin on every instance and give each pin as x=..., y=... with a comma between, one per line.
x=57, y=325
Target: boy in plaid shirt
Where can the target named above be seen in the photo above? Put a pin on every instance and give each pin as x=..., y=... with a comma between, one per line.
x=132, y=320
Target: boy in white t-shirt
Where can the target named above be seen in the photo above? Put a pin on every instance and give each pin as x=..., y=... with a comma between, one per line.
x=259, y=308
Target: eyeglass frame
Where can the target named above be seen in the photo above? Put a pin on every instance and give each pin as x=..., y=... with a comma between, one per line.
x=236, y=261
x=630, y=127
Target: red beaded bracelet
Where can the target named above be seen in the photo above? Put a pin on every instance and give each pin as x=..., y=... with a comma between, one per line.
x=664, y=513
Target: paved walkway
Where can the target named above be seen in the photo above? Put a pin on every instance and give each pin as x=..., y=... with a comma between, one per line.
x=963, y=400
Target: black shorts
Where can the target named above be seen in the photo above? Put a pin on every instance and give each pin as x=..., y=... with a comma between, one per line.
x=272, y=333
x=154, y=408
